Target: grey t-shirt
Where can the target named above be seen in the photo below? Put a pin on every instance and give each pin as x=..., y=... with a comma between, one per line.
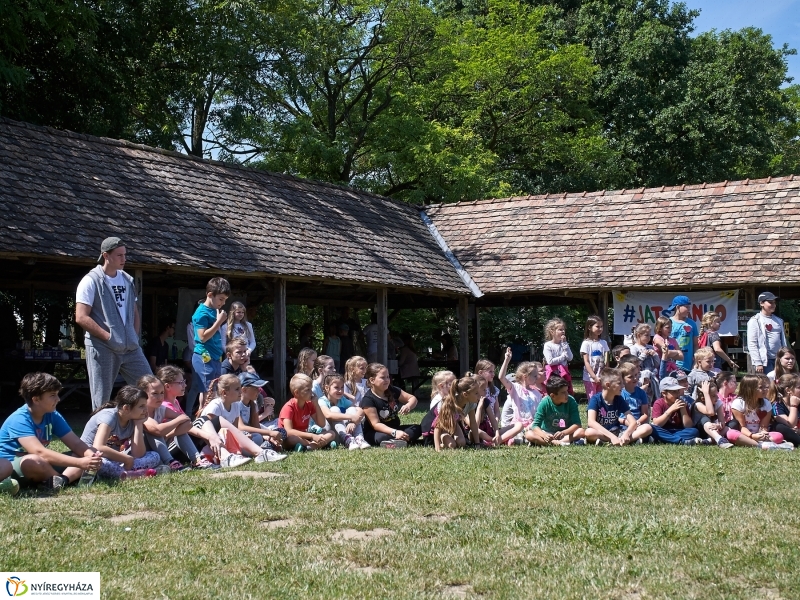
x=118, y=436
x=773, y=332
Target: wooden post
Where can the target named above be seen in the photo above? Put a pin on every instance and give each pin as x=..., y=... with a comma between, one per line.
x=475, y=317
x=137, y=282
x=463, y=335
x=383, y=325
x=279, y=352
x=27, y=322
x=602, y=305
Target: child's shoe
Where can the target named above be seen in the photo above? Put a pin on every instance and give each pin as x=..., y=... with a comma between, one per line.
x=204, y=463
x=692, y=442
x=362, y=443
x=9, y=486
x=580, y=442
x=54, y=484
x=234, y=460
x=298, y=447
x=724, y=443
x=333, y=445
x=269, y=456
x=352, y=444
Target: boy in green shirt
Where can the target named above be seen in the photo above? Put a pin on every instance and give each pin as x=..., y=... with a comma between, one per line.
x=557, y=422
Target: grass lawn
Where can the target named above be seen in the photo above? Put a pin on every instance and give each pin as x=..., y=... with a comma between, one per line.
x=630, y=523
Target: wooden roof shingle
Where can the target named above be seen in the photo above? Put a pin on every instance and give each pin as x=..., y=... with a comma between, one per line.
x=724, y=234
x=62, y=193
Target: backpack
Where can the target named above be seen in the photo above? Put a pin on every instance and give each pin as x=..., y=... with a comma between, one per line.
x=703, y=341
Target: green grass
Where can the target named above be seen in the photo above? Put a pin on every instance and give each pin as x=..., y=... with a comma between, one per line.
x=640, y=522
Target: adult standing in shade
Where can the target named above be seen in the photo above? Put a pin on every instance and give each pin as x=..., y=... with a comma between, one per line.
x=684, y=330
x=765, y=335
x=105, y=307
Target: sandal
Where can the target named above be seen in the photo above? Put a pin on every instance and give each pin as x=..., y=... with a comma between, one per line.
x=176, y=465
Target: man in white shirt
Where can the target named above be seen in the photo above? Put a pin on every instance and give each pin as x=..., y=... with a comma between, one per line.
x=371, y=337
x=765, y=335
x=105, y=307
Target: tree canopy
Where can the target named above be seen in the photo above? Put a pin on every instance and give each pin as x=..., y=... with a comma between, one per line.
x=422, y=101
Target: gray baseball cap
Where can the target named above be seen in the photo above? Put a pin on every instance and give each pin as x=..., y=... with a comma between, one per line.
x=109, y=244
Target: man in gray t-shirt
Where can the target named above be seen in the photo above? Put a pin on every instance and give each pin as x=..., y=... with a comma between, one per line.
x=765, y=335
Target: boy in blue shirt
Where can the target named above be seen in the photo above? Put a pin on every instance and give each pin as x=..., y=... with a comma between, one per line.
x=638, y=402
x=608, y=410
x=208, y=347
x=25, y=435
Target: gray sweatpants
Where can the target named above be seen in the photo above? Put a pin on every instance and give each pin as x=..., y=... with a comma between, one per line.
x=103, y=366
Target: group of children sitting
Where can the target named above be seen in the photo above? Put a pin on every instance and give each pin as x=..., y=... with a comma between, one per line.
x=144, y=430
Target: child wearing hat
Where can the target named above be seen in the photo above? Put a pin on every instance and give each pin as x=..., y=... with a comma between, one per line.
x=684, y=330
x=671, y=415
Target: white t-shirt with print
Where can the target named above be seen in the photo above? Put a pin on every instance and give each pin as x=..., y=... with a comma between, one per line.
x=752, y=418
x=216, y=407
x=118, y=284
x=597, y=352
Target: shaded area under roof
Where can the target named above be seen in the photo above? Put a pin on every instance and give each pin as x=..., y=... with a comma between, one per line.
x=62, y=193
x=725, y=234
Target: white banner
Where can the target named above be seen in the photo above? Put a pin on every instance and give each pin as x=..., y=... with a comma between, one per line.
x=632, y=308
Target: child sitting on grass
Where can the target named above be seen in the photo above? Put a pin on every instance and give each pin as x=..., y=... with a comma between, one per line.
x=702, y=370
x=447, y=432
x=557, y=421
x=270, y=440
x=753, y=412
x=27, y=433
x=638, y=402
x=440, y=386
x=523, y=399
x=295, y=416
x=608, y=411
x=323, y=366
x=225, y=403
x=341, y=415
x=708, y=416
x=383, y=404
x=671, y=415
x=355, y=386
x=784, y=393
x=726, y=386
x=162, y=425
x=116, y=429
x=305, y=361
x=484, y=415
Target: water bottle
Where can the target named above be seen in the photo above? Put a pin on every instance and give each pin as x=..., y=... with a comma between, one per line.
x=87, y=478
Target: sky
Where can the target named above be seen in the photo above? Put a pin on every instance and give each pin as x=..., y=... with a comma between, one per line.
x=779, y=18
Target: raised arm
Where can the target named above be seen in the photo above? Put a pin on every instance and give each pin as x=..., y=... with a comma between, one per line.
x=501, y=375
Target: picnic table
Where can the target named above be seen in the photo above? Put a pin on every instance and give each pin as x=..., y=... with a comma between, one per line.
x=73, y=378
x=428, y=366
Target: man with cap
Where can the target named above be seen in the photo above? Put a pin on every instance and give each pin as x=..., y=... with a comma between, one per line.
x=684, y=330
x=105, y=307
x=765, y=335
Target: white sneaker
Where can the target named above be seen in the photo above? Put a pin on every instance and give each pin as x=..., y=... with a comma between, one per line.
x=362, y=443
x=352, y=444
x=269, y=456
x=234, y=460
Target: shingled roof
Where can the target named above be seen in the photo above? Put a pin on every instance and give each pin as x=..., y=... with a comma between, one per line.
x=724, y=234
x=62, y=193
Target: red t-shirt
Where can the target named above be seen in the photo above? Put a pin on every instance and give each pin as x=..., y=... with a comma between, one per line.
x=299, y=417
x=660, y=406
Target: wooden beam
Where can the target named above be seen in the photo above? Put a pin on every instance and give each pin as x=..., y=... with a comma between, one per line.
x=279, y=352
x=383, y=325
x=602, y=305
x=475, y=317
x=463, y=335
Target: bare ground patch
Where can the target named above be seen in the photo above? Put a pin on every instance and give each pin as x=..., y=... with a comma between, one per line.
x=366, y=570
x=250, y=474
x=346, y=535
x=458, y=591
x=278, y=523
x=436, y=518
x=144, y=515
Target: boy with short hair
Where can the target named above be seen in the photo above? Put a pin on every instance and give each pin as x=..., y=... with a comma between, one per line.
x=237, y=358
x=619, y=351
x=671, y=416
x=557, y=421
x=296, y=415
x=607, y=410
x=638, y=402
x=28, y=431
x=206, y=321
x=702, y=371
